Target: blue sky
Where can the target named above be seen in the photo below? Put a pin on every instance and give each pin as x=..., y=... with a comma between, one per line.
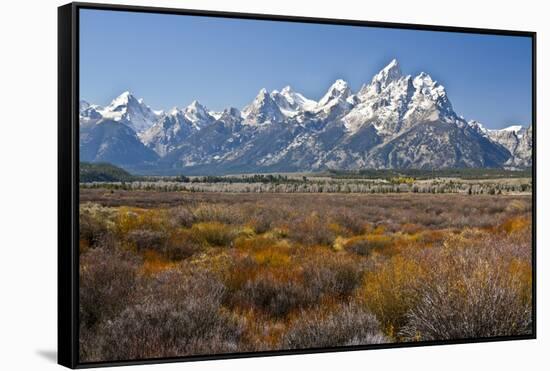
x=170, y=60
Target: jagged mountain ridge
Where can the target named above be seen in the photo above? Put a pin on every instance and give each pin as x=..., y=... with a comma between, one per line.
x=394, y=121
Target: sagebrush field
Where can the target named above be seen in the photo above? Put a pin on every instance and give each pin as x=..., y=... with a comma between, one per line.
x=167, y=274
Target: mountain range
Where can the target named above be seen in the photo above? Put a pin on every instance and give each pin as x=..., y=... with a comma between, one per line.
x=395, y=121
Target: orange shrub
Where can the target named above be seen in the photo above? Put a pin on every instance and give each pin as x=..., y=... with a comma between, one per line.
x=515, y=224
x=154, y=263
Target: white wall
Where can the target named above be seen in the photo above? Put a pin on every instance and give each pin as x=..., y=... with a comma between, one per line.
x=28, y=58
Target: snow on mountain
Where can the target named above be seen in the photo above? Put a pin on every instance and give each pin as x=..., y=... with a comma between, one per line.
x=262, y=110
x=88, y=113
x=392, y=102
x=83, y=105
x=168, y=132
x=128, y=110
x=513, y=128
x=109, y=141
x=292, y=103
x=198, y=115
x=336, y=93
x=230, y=116
x=478, y=127
x=393, y=121
x=387, y=75
x=215, y=114
x=522, y=155
x=517, y=140
x=337, y=101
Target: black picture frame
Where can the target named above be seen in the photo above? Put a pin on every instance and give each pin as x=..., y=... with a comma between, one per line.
x=68, y=179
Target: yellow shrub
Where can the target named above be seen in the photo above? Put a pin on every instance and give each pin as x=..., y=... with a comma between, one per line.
x=379, y=230
x=388, y=291
x=131, y=218
x=255, y=242
x=339, y=243
x=213, y=233
x=336, y=228
x=522, y=273
x=273, y=257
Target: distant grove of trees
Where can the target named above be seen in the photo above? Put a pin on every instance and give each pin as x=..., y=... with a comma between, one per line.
x=316, y=187
x=364, y=181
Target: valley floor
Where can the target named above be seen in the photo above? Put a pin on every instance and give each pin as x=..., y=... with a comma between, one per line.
x=168, y=273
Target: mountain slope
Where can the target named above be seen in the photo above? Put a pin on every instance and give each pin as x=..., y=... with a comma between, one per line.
x=113, y=142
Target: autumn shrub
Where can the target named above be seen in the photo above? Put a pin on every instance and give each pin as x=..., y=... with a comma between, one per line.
x=108, y=279
x=518, y=206
x=130, y=219
x=335, y=276
x=347, y=324
x=264, y=219
x=471, y=291
x=181, y=244
x=365, y=245
x=273, y=296
x=273, y=256
x=271, y=281
x=147, y=239
x=298, y=271
x=95, y=224
x=182, y=217
x=182, y=315
x=311, y=230
x=213, y=233
x=515, y=224
x=275, y=291
x=388, y=291
x=350, y=220
x=254, y=242
x=225, y=214
x=155, y=263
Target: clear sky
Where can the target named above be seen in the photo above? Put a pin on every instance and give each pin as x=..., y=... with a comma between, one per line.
x=170, y=60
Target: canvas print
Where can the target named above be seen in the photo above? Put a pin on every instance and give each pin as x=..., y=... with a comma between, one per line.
x=255, y=185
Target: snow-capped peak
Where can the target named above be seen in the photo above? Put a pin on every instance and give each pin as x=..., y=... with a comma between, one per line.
x=338, y=90
x=287, y=90
x=263, y=109
x=423, y=80
x=130, y=111
x=123, y=99
x=513, y=128
x=174, y=111
x=291, y=102
x=198, y=114
x=388, y=74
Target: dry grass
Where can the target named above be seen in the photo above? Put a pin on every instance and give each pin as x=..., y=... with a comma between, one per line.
x=172, y=274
